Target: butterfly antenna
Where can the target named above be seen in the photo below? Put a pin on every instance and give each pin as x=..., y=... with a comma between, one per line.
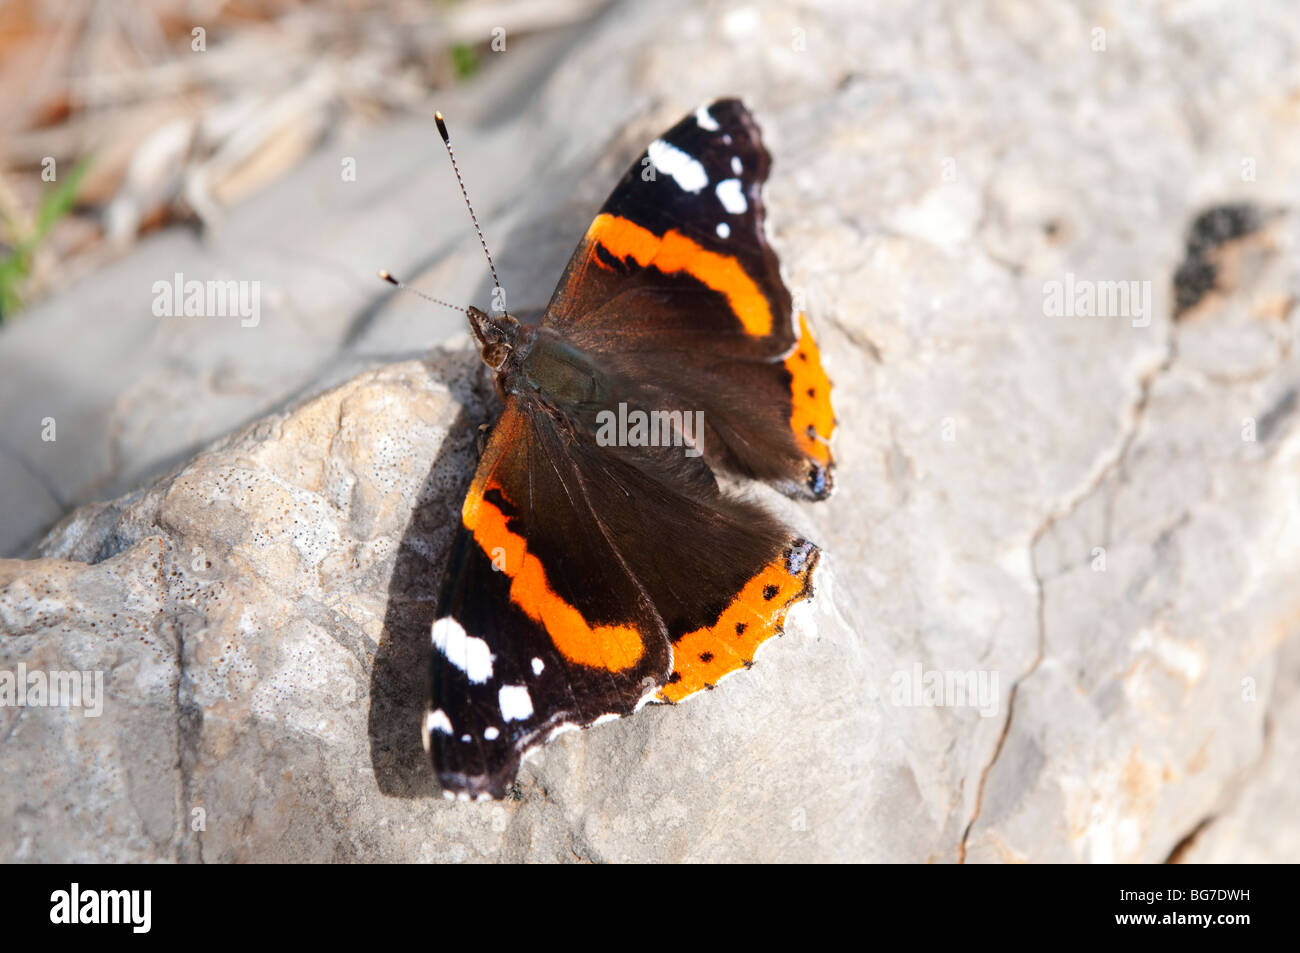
x=446, y=140
x=388, y=277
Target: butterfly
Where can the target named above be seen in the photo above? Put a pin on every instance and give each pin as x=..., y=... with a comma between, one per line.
x=598, y=565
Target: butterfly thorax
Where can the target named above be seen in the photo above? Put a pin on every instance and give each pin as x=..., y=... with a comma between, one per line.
x=537, y=364
x=568, y=380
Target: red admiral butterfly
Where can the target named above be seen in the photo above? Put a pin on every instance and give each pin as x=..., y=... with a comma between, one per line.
x=598, y=566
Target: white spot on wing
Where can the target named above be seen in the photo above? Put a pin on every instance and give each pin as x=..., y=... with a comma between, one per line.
x=516, y=704
x=490, y=733
x=704, y=120
x=685, y=170
x=732, y=199
x=538, y=665
x=466, y=738
x=437, y=720
x=736, y=167
x=472, y=656
x=723, y=230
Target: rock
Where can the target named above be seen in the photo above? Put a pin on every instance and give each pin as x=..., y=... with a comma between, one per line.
x=1092, y=518
x=235, y=608
x=261, y=618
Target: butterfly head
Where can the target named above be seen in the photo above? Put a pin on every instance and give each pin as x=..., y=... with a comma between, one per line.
x=497, y=336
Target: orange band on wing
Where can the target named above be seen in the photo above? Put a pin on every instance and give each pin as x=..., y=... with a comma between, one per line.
x=612, y=647
x=757, y=613
x=811, y=417
x=675, y=252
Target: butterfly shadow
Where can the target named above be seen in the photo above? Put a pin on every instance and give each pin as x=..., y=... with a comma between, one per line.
x=399, y=676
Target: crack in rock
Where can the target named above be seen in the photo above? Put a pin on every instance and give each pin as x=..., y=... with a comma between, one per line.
x=1136, y=414
x=1236, y=788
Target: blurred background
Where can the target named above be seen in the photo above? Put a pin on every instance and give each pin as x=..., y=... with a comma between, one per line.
x=109, y=101
x=128, y=134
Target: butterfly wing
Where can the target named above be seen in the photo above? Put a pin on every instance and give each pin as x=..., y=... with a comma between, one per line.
x=563, y=606
x=675, y=280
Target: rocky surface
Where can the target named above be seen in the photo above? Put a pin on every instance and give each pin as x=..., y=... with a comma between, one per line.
x=1094, y=517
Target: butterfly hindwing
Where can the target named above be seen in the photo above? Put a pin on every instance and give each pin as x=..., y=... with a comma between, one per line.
x=562, y=614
